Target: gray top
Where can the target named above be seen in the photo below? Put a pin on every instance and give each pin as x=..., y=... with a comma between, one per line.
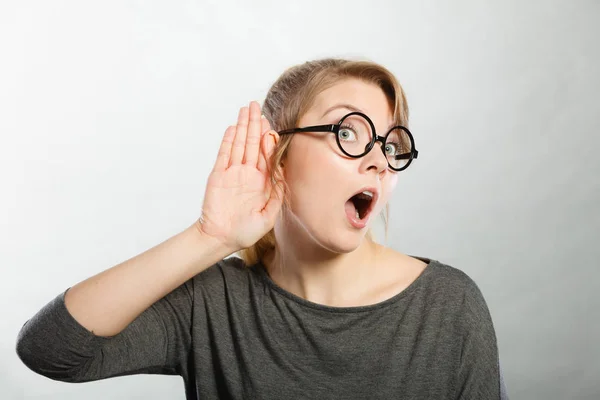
x=232, y=333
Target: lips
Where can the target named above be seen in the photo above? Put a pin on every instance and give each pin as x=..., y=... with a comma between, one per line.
x=360, y=205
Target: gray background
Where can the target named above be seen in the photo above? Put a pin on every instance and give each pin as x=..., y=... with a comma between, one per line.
x=112, y=112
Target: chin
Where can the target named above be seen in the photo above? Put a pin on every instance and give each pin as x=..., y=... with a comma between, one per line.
x=340, y=241
x=343, y=248
x=334, y=236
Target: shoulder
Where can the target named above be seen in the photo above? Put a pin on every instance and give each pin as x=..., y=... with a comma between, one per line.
x=453, y=287
x=436, y=275
x=454, y=279
x=463, y=295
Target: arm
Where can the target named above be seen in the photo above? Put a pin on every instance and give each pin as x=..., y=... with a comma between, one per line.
x=132, y=318
x=136, y=316
x=106, y=303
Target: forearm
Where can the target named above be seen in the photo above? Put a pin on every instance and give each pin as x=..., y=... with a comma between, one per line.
x=109, y=301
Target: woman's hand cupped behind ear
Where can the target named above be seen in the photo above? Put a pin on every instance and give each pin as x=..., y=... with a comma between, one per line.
x=240, y=202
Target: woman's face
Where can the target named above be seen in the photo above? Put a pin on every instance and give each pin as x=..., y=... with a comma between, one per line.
x=322, y=180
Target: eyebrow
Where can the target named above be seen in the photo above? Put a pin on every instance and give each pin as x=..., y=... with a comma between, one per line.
x=343, y=105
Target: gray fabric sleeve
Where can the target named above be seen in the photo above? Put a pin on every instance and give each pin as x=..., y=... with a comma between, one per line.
x=52, y=343
x=479, y=373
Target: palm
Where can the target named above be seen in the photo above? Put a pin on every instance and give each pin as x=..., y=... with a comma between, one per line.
x=236, y=198
x=239, y=205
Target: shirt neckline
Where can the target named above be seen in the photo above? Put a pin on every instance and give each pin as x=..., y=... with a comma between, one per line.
x=414, y=285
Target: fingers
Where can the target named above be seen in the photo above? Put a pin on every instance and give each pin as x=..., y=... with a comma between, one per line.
x=239, y=143
x=242, y=142
x=262, y=161
x=263, y=154
x=254, y=130
x=225, y=149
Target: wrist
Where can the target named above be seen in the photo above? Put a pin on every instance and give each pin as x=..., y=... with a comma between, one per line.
x=206, y=241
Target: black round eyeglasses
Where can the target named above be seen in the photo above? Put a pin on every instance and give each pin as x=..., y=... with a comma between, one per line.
x=355, y=135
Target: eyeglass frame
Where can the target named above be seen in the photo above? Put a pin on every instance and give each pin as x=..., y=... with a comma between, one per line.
x=335, y=128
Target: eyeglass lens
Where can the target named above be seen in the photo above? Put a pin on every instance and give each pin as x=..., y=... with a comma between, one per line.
x=355, y=136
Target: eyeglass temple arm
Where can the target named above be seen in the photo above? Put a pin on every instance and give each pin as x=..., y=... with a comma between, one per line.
x=317, y=128
x=406, y=156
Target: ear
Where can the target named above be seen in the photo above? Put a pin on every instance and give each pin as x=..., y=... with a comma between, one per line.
x=265, y=125
x=268, y=143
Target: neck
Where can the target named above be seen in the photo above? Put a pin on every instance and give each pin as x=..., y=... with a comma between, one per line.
x=318, y=275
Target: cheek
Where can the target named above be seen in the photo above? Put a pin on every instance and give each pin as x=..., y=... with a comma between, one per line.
x=309, y=173
x=310, y=163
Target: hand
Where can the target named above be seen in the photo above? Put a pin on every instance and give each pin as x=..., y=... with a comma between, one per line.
x=240, y=204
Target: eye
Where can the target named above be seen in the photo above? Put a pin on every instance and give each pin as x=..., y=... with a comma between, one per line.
x=347, y=133
x=391, y=149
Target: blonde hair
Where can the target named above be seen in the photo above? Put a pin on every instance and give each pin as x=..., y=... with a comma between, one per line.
x=290, y=97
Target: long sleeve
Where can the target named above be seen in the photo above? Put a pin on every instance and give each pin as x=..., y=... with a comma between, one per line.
x=52, y=343
x=479, y=373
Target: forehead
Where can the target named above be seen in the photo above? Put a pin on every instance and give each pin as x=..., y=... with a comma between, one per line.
x=339, y=99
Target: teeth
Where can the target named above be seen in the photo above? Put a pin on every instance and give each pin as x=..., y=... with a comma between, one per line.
x=368, y=193
x=357, y=215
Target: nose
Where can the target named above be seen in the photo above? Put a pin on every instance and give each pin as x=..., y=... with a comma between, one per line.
x=376, y=157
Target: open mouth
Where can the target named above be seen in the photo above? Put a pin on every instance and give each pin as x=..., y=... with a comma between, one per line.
x=361, y=204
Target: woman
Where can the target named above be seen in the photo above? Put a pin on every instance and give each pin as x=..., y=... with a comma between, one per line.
x=314, y=308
